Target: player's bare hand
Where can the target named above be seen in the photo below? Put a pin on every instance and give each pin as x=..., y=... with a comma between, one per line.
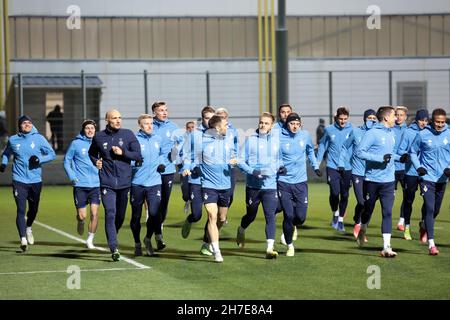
x=117, y=150
x=233, y=161
x=186, y=173
x=99, y=164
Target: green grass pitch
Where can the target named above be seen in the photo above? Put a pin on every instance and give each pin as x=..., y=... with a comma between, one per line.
x=327, y=265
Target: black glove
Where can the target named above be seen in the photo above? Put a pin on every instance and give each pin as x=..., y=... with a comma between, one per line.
x=161, y=168
x=139, y=163
x=318, y=172
x=2, y=167
x=257, y=173
x=196, y=172
x=341, y=170
x=422, y=171
x=33, y=162
x=282, y=171
x=404, y=158
x=446, y=172
x=387, y=158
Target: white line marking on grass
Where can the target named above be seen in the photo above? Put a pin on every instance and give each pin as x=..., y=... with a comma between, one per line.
x=65, y=234
x=65, y=271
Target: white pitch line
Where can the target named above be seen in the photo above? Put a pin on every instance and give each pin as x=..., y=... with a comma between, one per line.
x=65, y=234
x=65, y=271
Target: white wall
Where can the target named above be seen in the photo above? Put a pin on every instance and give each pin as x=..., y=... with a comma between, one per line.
x=221, y=7
x=186, y=93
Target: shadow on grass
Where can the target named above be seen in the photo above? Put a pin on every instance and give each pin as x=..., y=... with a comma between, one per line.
x=247, y=240
x=68, y=254
x=184, y=255
x=15, y=249
x=58, y=244
x=332, y=237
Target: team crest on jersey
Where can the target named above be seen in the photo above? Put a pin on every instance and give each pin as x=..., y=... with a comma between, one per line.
x=32, y=145
x=205, y=196
x=430, y=142
x=83, y=151
x=383, y=140
x=445, y=140
x=168, y=134
x=348, y=134
x=18, y=146
x=120, y=142
x=302, y=143
x=287, y=145
x=156, y=145
x=332, y=137
x=142, y=147
x=105, y=145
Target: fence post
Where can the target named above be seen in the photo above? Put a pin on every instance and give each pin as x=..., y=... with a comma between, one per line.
x=83, y=89
x=20, y=95
x=390, y=87
x=330, y=95
x=270, y=93
x=145, y=91
x=208, y=100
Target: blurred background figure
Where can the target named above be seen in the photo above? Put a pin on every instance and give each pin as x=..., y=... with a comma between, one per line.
x=320, y=130
x=55, y=118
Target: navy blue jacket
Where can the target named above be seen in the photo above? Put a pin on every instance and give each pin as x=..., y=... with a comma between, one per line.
x=116, y=170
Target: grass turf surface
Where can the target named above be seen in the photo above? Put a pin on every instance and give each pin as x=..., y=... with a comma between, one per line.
x=327, y=264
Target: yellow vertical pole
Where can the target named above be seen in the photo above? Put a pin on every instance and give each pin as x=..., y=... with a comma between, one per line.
x=266, y=51
x=260, y=51
x=6, y=45
x=2, y=70
x=274, y=57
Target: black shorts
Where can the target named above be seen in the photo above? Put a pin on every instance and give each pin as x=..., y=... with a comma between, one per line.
x=221, y=197
x=84, y=196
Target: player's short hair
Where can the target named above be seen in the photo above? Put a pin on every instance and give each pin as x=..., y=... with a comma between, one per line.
x=284, y=105
x=384, y=111
x=222, y=110
x=144, y=116
x=207, y=109
x=342, y=111
x=110, y=111
x=267, y=115
x=214, y=121
x=157, y=104
x=438, y=112
x=189, y=122
x=403, y=108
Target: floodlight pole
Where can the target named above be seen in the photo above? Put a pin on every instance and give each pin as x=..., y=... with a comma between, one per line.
x=282, y=75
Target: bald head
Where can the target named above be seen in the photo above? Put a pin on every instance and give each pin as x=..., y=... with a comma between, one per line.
x=113, y=119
